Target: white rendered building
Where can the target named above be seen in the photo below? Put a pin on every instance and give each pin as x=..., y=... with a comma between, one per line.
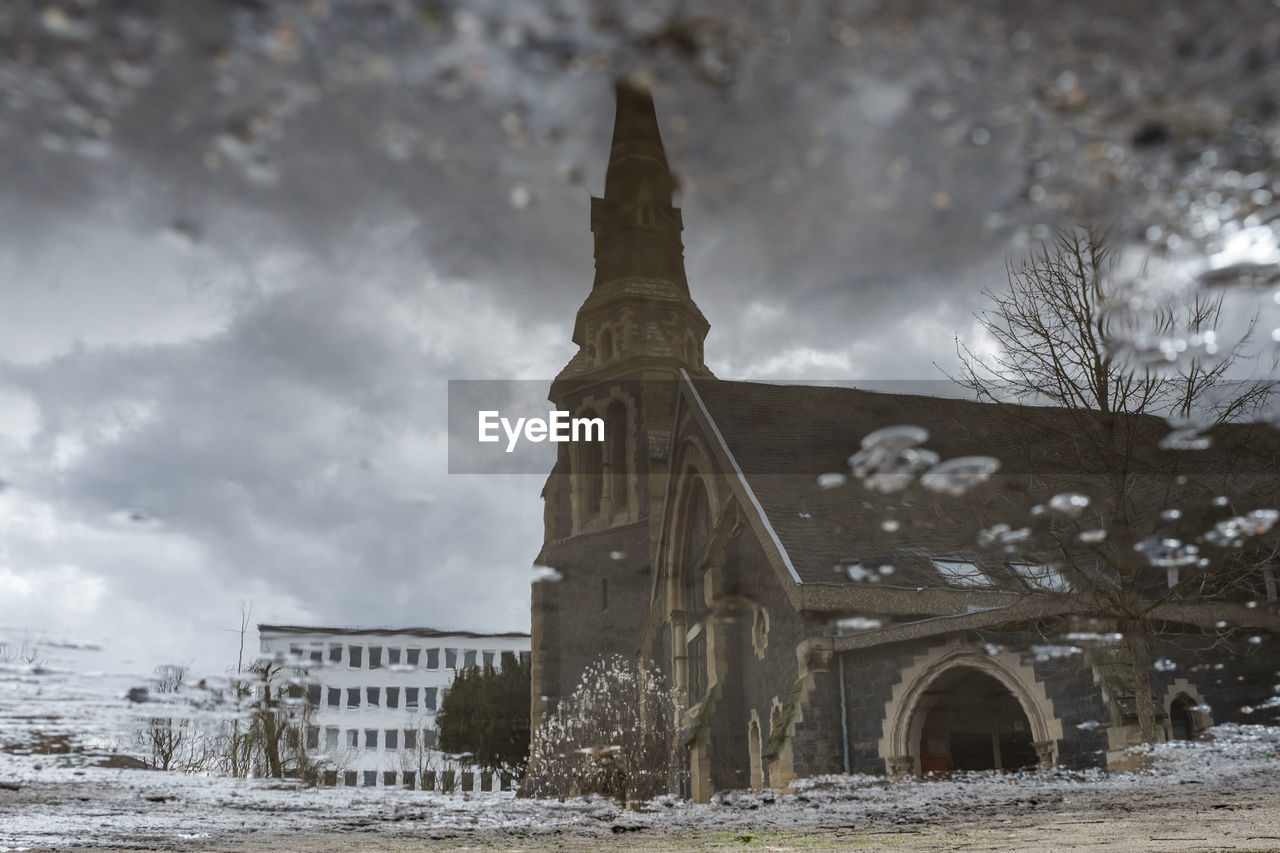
x=373, y=696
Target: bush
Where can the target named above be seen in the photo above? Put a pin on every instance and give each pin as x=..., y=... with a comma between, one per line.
x=485, y=716
x=615, y=735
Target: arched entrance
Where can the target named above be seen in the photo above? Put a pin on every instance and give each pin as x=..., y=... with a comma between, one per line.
x=1188, y=713
x=1182, y=723
x=991, y=703
x=968, y=720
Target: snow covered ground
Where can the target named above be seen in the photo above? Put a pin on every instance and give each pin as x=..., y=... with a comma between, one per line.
x=61, y=803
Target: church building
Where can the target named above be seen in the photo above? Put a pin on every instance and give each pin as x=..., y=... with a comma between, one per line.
x=837, y=580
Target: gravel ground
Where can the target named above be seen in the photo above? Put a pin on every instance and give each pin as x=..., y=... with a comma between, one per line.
x=1221, y=794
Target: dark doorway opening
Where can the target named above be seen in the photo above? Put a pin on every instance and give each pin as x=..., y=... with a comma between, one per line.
x=972, y=722
x=1181, y=720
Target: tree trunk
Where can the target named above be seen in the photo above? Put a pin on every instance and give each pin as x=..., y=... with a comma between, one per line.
x=1140, y=653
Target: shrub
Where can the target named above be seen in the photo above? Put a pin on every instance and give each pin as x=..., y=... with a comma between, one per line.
x=615, y=735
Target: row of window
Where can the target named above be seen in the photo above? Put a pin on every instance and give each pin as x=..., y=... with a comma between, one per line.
x=390, y=740
x=446, y=780
x=395, y=657
x=410, y=698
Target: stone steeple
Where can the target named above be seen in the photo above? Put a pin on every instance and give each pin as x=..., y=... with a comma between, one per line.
x=639, y=314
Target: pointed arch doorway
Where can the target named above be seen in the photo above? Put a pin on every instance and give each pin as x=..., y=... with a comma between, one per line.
x=967, y=720
x=958, y=708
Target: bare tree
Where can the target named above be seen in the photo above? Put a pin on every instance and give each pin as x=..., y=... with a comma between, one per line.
x=1132, y=542
x=165, y=739
x=421, y=757
x=236, y=743
x=26, y=653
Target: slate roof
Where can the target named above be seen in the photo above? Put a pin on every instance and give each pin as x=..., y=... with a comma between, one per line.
x=784, y=436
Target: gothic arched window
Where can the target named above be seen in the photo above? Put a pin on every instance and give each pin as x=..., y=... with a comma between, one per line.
x=606, y=347
x=644, y=208
x=617, y=428
x=590, y=474
x=696, y=534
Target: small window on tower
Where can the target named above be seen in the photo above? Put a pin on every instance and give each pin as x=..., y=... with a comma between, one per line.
x=644, y=208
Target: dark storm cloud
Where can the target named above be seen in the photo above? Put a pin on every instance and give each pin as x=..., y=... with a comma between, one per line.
x=300, y=449
x=248, y=244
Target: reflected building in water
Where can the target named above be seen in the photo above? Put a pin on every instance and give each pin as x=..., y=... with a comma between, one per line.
x=813, y=622
x=368, y=699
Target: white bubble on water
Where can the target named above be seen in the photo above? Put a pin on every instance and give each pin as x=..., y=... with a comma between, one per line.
x=1069, y=503
x=959, y=475
x=851, y=624
x=890, y=458
x=831, y=480
x=1168, y=552
x=1052, y=651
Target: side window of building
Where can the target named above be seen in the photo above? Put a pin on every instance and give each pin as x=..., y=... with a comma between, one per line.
x=393, y=657
x=371, y=696
x=313, y=737
x=353, y=738
x=331, y=737
x=411, y=657
x=370, y=738
x=317, y=654
x=313, y=695
x=410, y=738
x=375, y=657
x=355, y=655
x=450, y=658
x=433, y=658
x=429, y=698
x=429, y=738
x=335, y=697
x=469, y=658
x=391, y=739
x=488, y=658
x=393, y=697
x=353, y=697
x=411, y=698
x=335, y=653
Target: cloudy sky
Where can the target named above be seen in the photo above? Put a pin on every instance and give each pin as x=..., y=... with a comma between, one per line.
x=246, y=245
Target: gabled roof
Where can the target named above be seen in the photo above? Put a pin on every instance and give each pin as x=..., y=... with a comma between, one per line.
x=778, y=440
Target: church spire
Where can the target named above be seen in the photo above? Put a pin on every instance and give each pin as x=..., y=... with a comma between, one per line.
x=637, y=144
x=637, y=230
x=638, y=316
